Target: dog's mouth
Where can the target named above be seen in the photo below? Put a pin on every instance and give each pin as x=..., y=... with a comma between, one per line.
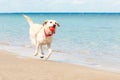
x=52, y=29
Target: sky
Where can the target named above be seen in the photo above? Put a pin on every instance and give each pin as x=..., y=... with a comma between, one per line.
x=59, y=5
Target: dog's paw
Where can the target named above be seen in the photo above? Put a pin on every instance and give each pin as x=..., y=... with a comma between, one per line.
x=45, y=58
x=35, y=54
x=41, y=56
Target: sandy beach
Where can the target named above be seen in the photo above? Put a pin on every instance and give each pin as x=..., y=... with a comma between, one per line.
x=13, y=68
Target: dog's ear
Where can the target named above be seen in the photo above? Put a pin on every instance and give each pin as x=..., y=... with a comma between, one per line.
x=45, y=22
x=58, y=24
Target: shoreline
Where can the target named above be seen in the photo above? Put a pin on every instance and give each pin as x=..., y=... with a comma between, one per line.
x=13, y=68
x=27, y=52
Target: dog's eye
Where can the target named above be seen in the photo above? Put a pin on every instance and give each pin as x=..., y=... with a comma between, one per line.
x=50, y=22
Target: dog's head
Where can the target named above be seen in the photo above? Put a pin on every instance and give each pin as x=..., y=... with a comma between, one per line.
x=51, y=23
x=51, y=26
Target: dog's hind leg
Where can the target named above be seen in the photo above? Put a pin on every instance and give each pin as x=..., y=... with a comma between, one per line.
x=36, y=49
x=41, y=52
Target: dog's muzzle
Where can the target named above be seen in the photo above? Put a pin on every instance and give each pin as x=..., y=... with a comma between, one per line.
x=54, y=26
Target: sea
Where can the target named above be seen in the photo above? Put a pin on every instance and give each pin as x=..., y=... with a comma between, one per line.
x=87, y=39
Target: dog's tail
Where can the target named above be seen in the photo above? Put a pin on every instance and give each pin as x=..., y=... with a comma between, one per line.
x=29, y=20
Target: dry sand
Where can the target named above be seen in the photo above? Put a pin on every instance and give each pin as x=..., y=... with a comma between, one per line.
x=12, y=68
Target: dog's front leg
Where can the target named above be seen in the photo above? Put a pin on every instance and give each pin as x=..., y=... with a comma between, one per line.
x=49, y=51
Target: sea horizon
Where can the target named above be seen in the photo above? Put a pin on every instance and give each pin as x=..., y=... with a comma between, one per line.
x=62, y=12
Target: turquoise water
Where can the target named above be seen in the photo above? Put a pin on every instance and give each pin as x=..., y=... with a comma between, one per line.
x=89, y=39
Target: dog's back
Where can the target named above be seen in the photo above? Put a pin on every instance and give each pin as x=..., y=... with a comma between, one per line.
x=34, y=29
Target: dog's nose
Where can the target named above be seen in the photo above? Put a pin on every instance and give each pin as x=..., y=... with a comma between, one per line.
x=54, y=25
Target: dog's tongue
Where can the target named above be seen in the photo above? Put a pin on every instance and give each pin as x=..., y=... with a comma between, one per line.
x=52, y=29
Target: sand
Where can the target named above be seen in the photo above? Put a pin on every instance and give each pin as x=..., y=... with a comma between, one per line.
x=13, y=68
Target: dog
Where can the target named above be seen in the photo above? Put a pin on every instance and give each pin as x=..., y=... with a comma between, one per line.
x=42, y=34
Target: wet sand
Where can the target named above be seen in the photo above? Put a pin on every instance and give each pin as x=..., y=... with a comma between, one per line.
x=13, y=68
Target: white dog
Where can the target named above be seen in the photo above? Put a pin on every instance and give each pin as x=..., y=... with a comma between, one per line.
x=42, y=34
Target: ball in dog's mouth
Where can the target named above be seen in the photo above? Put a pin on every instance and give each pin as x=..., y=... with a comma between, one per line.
x=52, y=29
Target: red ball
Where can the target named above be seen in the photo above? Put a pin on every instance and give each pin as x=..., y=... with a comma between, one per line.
x=52, y=29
